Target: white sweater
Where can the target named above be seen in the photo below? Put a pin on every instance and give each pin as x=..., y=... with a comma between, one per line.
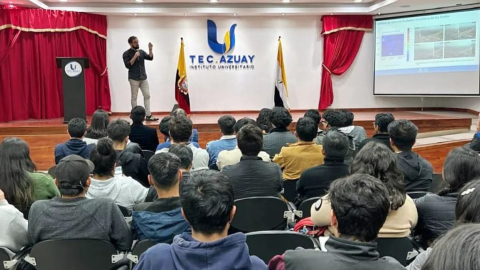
x=123, y=190
x=13, y=228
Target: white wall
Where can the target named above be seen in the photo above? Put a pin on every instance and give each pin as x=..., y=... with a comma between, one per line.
x=241, y=90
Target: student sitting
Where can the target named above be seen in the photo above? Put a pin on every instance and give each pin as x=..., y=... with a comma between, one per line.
x=360, y=204
x=377, y=160
x=73, y=216
x=132, y=164
x=279, y=136
x=357, y=132
x=144, y=135
x=75, y=146
x=316, y=181
x=208, y=206
x=164, y=128
x=382, y=120
x=252, y=176
x=227, y=142
x=98, y=127
x=13, y=227
x=179, y=112
x=123, y=190
x=161, y=219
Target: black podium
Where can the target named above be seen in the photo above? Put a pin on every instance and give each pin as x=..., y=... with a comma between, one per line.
x=73, y=77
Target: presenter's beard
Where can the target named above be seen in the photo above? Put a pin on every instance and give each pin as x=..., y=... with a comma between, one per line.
x=136, y=47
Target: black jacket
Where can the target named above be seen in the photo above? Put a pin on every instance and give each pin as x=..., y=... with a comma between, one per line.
x=254, y=177
x=145, y=136
x=316, y=181
x=436, y=215
x=417, y=172
x=381, y=138
x=133, y=165
x=338, y=254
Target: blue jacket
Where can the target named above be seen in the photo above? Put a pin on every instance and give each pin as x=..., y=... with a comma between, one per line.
x=158, y=227
x=73, y=147
x=186, y=253
x=215, y=147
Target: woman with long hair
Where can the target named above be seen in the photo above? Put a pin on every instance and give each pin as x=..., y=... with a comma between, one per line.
x=18, y=179
x=379, y=161
x=98, y=127
x=106, y=183
x=436, y=212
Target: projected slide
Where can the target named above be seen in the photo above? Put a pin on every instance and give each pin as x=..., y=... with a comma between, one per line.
x=438, y=43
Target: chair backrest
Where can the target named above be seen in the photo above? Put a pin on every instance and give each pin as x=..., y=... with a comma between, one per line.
x=142, y=246
x=416, y=194
x=77, y=254
x=147, y=154
x=125, y=211
x=437, y=184
x=4, y=257
x=306, y=205
x=397, y=248
x=260, y=214
x=267, y=244
x=51, y=171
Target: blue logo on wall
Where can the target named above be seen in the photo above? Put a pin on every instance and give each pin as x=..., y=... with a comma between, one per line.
x=229, y=40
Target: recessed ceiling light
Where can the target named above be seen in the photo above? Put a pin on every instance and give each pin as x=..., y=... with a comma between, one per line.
x=62, y=0
x=213, y=1
x=135, y=14
x=139, y=1
x=184, y=14
x=283, y=14
x=286, y=1
x=357, y=1
x=234, y=14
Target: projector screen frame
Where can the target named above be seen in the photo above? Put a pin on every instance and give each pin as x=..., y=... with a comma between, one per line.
x=409, y=15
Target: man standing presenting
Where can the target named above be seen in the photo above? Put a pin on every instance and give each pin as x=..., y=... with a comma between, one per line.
x=134, y=60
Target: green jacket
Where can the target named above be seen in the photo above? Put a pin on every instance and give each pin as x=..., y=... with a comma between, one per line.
x=44, y=186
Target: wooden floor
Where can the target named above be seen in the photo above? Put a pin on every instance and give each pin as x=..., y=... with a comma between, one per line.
x=43, y=135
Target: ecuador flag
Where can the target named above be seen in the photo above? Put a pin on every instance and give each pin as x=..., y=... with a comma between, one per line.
x=281, y=90
x=181, y=82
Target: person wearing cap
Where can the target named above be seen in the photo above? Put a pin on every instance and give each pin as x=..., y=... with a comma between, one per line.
x=73, y=216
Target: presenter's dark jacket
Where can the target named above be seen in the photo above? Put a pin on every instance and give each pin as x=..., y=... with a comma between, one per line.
x=145, y=136
x=137, y=70
x=337, y=254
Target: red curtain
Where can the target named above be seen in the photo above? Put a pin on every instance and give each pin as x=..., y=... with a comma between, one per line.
x=30, y=40
x=342, y=39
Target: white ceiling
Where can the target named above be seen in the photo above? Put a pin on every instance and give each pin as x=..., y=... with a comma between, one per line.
x=241, y=7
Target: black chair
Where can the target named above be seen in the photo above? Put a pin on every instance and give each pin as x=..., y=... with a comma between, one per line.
x=437, y=184
x=5, y=260
x=306, y=205
x=260, y=214
x=402, y=249
x=125, y=211
x=139, y=248
x=51, y=171
x=147, y=154
x=267, y=244
x=290, y=190
x=416, y=194
x=78, y=254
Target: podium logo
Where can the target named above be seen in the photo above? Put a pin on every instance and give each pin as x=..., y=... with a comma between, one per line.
x=229, y=40
x=73, y=69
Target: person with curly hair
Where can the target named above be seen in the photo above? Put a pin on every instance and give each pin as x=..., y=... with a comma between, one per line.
x=279, y=136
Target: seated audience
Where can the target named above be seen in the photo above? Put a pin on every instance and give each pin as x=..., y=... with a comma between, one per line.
x=252, y=176
x=164, y=127
x=316, y=181
x=144, y=135
x=316, y=116
x=295, y=158
x=377, y=160
x=180, y=131
x=382, y=120
x=73, y=216
x=161, y=219
x=123, y=190
x=132, y=164
x=227, y=142
x=457, y=250
x=186, y=156
x=20, y=182
x=475, y=143
x=181, y=113
x=360, y=204
x=335, y=120
x=13, y=227
x=357, y=132
x=436, y=212
x=417, y=171
x=466, y=211
x=279, y=136
x=208, y=206
x=75, y=146
x=263, y=120
x=98, y=127
x=232, y=157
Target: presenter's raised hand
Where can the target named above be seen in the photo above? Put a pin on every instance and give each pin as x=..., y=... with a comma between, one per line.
x=150, y=46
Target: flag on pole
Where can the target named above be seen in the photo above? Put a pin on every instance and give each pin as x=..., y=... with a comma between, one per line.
x=281, y=90
x=181, y=82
